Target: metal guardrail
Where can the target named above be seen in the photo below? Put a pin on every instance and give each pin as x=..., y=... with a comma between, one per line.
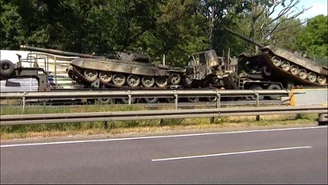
x=139, y=93
x=145, y=93
x=158, y=114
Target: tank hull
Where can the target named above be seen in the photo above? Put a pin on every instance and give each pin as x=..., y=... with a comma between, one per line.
x=296, y=59
x=269, y=70
x=291, y=65
x=118, y=66
x=124, y=73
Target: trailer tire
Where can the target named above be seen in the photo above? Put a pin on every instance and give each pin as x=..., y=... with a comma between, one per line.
x=151, y=100
x=126, y=100
x=105, y=100
x=274, y=87
x=256, y=87
x=6, y=67
x=193, y=99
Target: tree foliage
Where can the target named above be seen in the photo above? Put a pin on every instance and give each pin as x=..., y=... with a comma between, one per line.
x=314, y=38
x=175, y=28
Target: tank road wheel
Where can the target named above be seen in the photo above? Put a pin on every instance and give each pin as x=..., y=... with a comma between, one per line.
x=322, y=80
x=294, y=70
x=119, y=80
x=133, y=80
x=90, y=75
x=147, y=81
x=161, y=81
x=276, y=61
x=105, y=77
x=175, y=79
x=312, y=77
x=302, y=74
x=285, y=66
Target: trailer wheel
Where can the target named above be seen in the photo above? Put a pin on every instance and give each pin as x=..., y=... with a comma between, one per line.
x=106, y=100
x=6, y=67
x=126, y=100
x=170, y=100
x=193, y=99
x=274, y=87
x=151, y=100
x=256, y=87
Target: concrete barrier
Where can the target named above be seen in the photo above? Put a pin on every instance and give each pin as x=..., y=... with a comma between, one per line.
x=312, y=97
x=318, y=96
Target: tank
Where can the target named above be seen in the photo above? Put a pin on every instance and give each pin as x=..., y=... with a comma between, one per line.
x=279, y=63
x=123, y=69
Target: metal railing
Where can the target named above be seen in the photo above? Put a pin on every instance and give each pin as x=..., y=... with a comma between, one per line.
x=176, y=94
x=156, y=114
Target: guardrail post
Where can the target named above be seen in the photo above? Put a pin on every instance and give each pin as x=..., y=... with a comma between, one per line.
x=44, y=106
x=298, y=116
x=257, y=104
x=176, y=100
x=106, y=125
x=24, y=103
x=161, y=122
x=218, y=105
x=130, y=98
x=218, y=100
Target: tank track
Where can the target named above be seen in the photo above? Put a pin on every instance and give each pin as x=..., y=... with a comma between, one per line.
x=295, y=71
x=80, y=78
x=76, y=75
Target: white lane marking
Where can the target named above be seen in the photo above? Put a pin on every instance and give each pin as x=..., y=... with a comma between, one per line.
x=159, y=137
x=229, y=153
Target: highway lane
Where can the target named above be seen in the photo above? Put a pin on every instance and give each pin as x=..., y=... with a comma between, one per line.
x=293, y=155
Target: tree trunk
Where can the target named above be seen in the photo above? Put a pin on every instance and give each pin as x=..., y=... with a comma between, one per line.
x=211, y=27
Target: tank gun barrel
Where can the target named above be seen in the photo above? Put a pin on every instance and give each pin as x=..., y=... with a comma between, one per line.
x=53, y=51
x=243, y=37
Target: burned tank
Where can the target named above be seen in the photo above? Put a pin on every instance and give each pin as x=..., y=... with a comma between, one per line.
x=121, y=69
x=281, y=64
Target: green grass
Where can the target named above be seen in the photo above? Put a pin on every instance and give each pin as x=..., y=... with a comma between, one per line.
x=119, y=127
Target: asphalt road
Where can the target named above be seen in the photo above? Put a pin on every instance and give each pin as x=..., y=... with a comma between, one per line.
x=294, y=155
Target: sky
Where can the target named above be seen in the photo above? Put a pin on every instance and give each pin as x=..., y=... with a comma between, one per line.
x=318, y=7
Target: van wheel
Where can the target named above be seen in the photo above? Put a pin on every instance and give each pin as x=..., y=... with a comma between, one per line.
x=6, y=67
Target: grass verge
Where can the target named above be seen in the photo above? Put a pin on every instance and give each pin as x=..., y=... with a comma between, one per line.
x=134, y=126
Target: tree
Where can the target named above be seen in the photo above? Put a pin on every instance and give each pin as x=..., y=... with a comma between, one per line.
x=287, y=33
x=314, y=38
x=217, y=13
x=21, y=23
x=264, y=24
